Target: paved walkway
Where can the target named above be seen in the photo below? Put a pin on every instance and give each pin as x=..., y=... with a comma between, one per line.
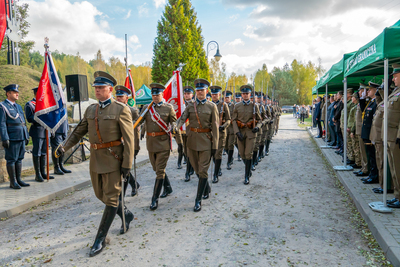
x=385, y=227
x=13, y=202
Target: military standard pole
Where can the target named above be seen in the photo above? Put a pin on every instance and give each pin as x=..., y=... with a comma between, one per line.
x=344, y=167
x=326, y=119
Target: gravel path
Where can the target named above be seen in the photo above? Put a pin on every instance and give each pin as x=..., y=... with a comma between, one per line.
x=291, y=214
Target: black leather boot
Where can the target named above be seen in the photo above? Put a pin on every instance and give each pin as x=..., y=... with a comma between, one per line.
x=11, y=174
x=255, y=158
x=247, y=172
x=156, y=193
x=207, y=191
x=61, y=163
x=188, y=169
x=260, y=152
x=18, y=171
x=36, y=166
x=220, y=170
x=106, y=221
x=267, y=147
x=253, y=161
x=132, y=181
x=167, y=187
x=191, y=168
x=200, y=190
x=128, y=217
x=230, y=159
x=43, y=167
x=180, y=155
x=184, y=159
x=56, y=164
x=216, y=170
x=239, y=158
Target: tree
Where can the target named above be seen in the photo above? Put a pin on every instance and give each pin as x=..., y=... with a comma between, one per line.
x=262, y=79
x=179, y=40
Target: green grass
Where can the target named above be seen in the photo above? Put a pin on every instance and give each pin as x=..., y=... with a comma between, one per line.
x=307, y=122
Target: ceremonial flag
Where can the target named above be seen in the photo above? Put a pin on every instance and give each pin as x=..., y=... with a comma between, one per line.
x=50, y=109
x=3, y=20
x=129, y=84
x=173, y=94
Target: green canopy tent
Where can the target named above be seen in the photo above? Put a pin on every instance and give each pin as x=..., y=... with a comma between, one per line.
x=143, y=96
x=374, y=59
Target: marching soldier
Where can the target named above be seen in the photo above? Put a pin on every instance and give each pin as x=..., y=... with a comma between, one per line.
x=230, y=138
x=158, y=121
x=188, y=92
x=265, y=115
x=107, y=122
x=246, y=125
x=362, y=103
x=38, y=134
x=257, y=140
x=203, y=135
x=279, y=113
x=224, y=122
x=394, y=137
x=238, y=99
x=14, y=135
x=122, y=95
x=271, y=128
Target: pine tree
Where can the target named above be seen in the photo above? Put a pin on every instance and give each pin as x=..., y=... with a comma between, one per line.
x=179, y=40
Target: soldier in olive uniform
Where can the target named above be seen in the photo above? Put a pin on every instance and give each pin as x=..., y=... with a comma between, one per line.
x=158, y=121
x=243, y=120
x=362, y=103
x=230, y=138
x=266, y=117
x=203, y=135
x=279, y=113
x=224, y=122
x=270, y=133
x=393, y=136
x=122, y=95
x=238, y=99
x=38, y=134
x=257, y=140
x=351, y=127
x=350, y=154
x=188, y=92
x=107, y=123
x=14, y=135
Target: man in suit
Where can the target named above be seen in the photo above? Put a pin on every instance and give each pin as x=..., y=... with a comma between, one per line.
x=317, y=116
x=38, y=134
x=338, y=107
x=203, y=136
x=14, y=135
x=330, y=123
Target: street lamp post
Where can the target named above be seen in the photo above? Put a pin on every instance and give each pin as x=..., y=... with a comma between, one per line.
x=217, y=55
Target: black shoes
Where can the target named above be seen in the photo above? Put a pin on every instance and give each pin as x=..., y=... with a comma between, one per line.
x=230, y=160
x=56, y=164
x=106, y=221
x=217, y=169
x=43, y=167
x=132, y=181
x=156, y=193
x=36, y=166
x=395, y=205
x=267, y=147
x=393, y=200
x=380, y=190
x=371, y=180
x=254, y=161
x=200, y=189
x=361, y=174
x=11, y=174
x=61, y=164
x=167, y=187
x=18, y=171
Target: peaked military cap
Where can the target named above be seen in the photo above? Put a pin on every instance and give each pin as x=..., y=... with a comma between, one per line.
x=215, y=89
x=102, y=78
x=157, y=88
x=228, y=93
x=356, y=95
x=201, y=84
x=238, y=95
x=35, y=90
x=350, y=90
x=121, y=90
x=396, y=69
x=11, y=87
x=363, y=86
x=188, y=89
x=246, y=88
x=373, y=85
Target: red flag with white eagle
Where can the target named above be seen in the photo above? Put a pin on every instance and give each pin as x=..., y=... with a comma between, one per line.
x=173, y=93
x=129, y=83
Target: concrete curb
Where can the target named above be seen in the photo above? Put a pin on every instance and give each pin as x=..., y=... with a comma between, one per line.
x=23, y=207
x=388, y=244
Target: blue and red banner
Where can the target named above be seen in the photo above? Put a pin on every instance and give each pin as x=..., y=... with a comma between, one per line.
x=50, y=109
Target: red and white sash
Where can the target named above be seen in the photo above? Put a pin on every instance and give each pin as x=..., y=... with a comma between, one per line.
x=163, y=125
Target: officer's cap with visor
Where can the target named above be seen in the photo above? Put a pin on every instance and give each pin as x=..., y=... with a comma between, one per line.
x=35, y=90
x=11, y=88
x=246, y=88
x=188, y=89
x=396, y=69
x=201, y=84
x=228, y=93
x=102, y=78
x=157, y=88
x=215, y=89
x=121, y=90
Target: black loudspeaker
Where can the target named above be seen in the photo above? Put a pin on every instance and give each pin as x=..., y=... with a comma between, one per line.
x=77, y=87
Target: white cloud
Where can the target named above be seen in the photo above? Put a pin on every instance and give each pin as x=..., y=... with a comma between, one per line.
x=233, y=18
x=159, y=3
x=133, y=42
x=74, y=30
x=143, y=10
x=235, y=42
x=128, y=15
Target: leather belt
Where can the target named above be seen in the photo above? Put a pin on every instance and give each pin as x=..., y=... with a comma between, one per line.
x=198, y=130
x=105, y=145
x=15, y=124
x=156, y=133
x=242, y=125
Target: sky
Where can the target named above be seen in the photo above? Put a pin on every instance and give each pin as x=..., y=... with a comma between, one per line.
x=249, y=32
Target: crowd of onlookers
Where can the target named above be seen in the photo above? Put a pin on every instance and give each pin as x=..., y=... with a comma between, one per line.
x=364, y=132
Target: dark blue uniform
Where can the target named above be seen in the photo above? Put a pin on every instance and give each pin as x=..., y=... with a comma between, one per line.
x=55, y=140
x=13, y=128
x=370, y=148
x=37, y=131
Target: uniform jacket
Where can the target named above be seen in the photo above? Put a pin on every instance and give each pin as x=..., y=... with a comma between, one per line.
x=209, y=119
x=351, y=123
x=267, y=117
x=368, y=117
x=12, y=122
x=359, y=115
x=338, y=110
x=226, y=118
x=317, y=113
x=231, y=107
x=393, y=115
x=36, y=130
x=331, y=113
x=162, y=142
x=377, y=122
x=135, y=116
x=63, y=129
x=115, y=121
x=244, y=114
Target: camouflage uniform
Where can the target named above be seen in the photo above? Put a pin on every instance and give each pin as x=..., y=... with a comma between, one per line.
x=350, y=153
x=351, y=124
